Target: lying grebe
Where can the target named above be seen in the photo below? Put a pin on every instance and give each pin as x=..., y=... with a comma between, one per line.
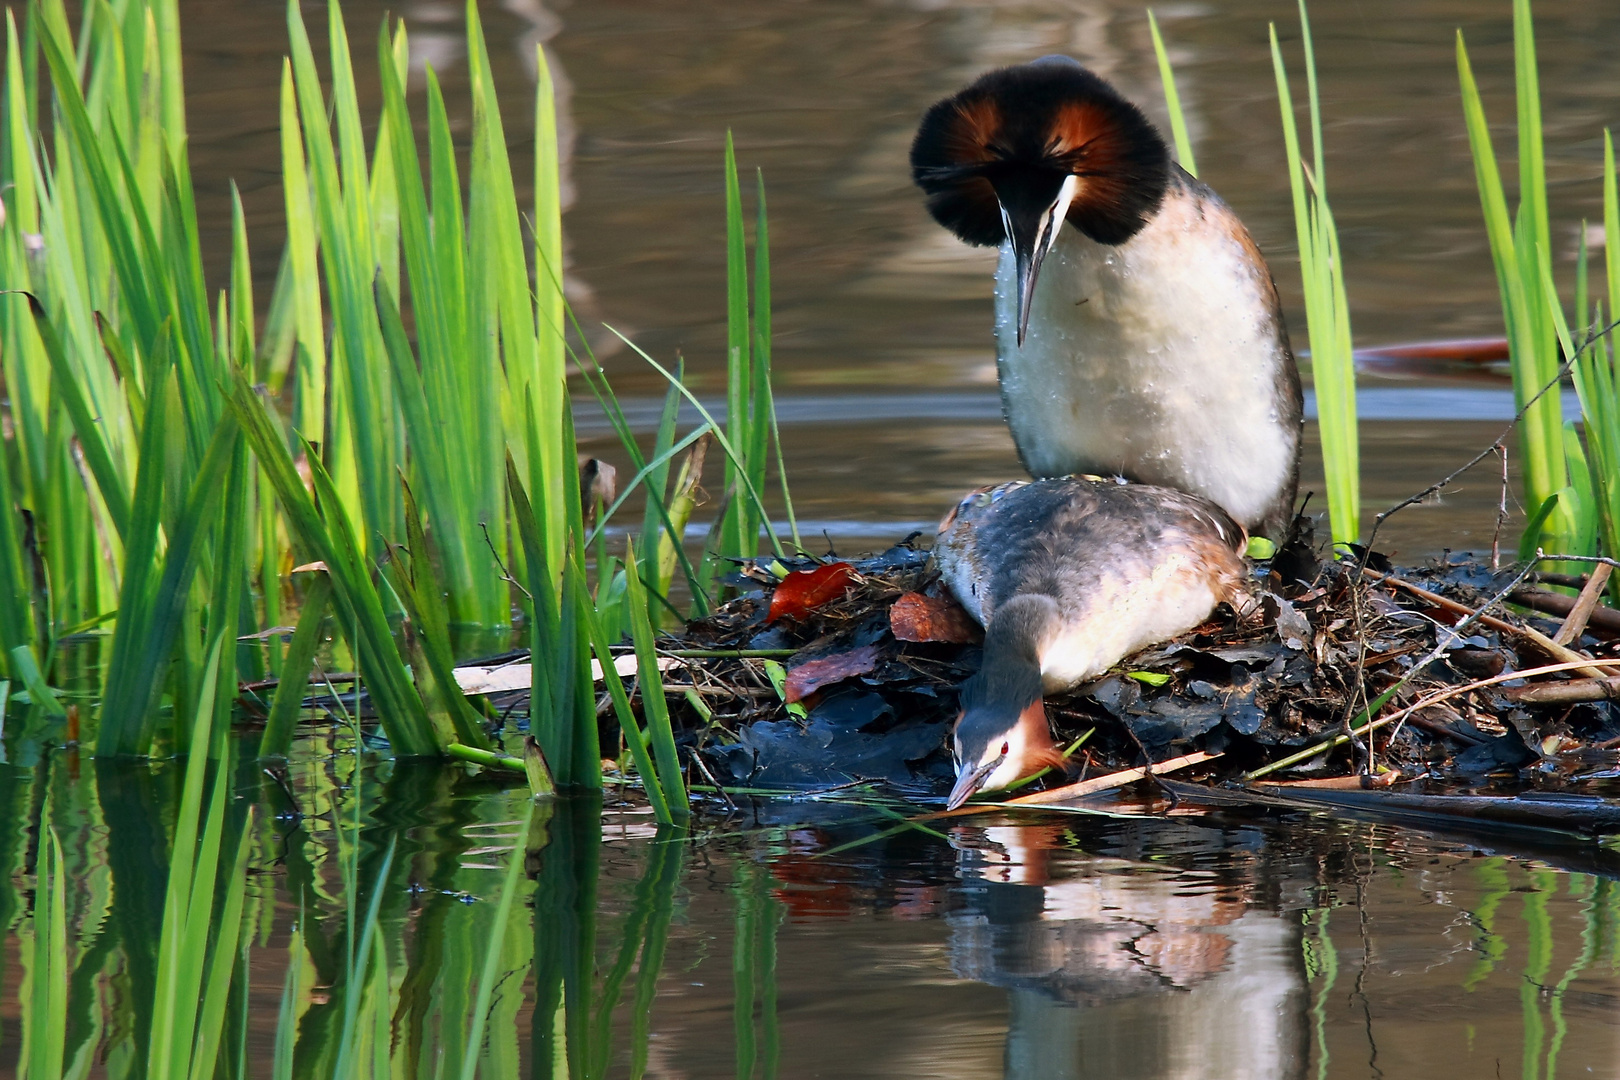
x=1068, y=577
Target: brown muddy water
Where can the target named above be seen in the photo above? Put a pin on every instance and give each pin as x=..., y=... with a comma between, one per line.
x=1041, y=948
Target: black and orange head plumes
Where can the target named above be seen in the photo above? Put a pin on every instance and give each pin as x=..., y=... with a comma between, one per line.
x=1007, y=143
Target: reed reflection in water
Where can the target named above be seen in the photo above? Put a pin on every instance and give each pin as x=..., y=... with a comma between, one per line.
x=373, y=935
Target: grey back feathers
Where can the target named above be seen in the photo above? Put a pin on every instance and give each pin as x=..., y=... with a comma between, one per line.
x=1072, y=537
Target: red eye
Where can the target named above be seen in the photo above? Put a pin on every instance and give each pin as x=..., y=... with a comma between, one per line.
x=1005, y=747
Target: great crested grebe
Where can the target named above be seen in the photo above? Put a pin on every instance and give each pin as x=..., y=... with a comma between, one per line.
x=1068, y=577
x=1145, y=339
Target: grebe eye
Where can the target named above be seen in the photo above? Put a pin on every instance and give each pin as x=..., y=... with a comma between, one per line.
x=1005, y=748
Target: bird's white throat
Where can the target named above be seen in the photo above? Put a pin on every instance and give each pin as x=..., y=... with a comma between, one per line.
x=1159, y=359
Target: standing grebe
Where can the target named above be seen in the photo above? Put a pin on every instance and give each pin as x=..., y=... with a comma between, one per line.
x=1069, y=577
x=1145, y=341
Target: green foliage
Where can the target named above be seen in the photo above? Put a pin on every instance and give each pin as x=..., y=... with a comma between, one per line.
x=300, y=660
x=197, y=950
x=45, y=1032
x=489, y=976
x=562, y=704
x=750, y=414
x=326, y=533
x=1597, y=379
x=638, y=740
x=753, y=975
x=169, y=456
x=1521, y=246
x=1172, y=100
x=1327, y=308
x=660, y=733
x=389, y=970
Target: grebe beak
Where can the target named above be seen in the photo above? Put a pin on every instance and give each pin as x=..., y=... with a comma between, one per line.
x=969, y=779
x=998, y=744
x=1032, y=237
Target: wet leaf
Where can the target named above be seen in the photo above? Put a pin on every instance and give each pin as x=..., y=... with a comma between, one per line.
x=802, y=591
x=1151, y=678
x=811, y=676
x=919, y=617
x=1292, y=627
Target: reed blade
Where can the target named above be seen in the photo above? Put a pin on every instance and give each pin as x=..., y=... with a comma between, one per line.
x=1531, y=342
x=277, y=737
x=1327, y=309
x=635, y=738
x=1172, y=100
x=660, y=732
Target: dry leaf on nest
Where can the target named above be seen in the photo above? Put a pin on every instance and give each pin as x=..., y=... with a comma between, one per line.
x=812, y=675
x=919, y=617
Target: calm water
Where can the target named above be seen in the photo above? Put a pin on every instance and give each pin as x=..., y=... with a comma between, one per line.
x=1041, y=949
x=874, y=299
x=1046, y=948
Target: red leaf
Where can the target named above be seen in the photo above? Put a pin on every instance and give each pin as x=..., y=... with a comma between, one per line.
x=918, y=617
x=802, y=591
x=812, y=675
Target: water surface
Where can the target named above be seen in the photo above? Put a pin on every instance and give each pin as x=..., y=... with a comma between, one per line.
x=872, y=297
x=1044, y=948
x=774, y=943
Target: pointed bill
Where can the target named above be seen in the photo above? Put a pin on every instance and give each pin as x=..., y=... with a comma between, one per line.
x=1032, y=239
x=968, y=781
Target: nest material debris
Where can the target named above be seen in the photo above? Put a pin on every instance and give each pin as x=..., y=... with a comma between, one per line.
x=872, y=674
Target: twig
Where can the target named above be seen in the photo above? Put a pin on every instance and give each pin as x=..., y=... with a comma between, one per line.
x=1387, y=778
x=1423, y=703
x=1572, y=692
x=704, y=769
x=1444, y=641
x=726, y=654
x=1453, y=691
x=347, y=719
x=1542, y=556
x=1110, y=781
x=1359, y=687
x=1536, y=637
x=1445, y=730
x=1582, y=614
x=1077, y=790
x=505, y=574
x=1501, y=513
x=1499, y=444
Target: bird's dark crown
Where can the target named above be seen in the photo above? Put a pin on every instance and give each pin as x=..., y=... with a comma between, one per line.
x=1012, y=138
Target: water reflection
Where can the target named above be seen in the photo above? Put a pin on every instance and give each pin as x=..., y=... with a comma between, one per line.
x=804, y=938
x=1120, y=968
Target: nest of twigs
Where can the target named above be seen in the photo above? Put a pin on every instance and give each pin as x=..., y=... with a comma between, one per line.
x=844, y=671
